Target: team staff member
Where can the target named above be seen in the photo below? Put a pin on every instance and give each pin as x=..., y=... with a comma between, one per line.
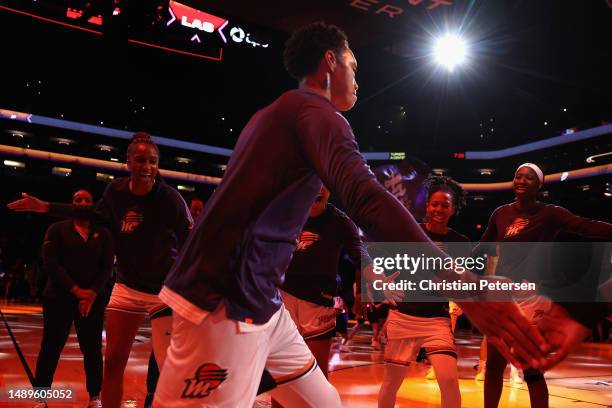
x=78, y=258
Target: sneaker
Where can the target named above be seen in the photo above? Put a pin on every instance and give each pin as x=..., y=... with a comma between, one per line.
x=94, y=402
x=480, y=375
x=431, y=374
x=515, y=375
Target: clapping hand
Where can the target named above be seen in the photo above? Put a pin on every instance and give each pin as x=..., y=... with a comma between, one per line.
x=562, y=332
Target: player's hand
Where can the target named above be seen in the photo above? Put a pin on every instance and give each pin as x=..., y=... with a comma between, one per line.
x=83, y=294
x=562, y=332
x=29, y=203
x=89, y=295
x=85, y=307
x=392, y=296
x=509, y=331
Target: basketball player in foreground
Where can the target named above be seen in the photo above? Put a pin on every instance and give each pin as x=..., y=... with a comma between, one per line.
x=229, y=321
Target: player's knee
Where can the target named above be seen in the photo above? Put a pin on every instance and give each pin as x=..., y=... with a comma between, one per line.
x=496, y=365
x=114, y=361
x=446, y=381
x=331, y=398
x=391, y=384
x=532, y=376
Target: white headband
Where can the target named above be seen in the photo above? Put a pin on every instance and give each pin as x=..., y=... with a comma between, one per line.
x=535, y=168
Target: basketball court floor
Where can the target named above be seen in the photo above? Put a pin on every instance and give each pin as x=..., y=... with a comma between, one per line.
x=584, y=380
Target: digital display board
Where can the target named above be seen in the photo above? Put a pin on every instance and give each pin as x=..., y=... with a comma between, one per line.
x=167, y=25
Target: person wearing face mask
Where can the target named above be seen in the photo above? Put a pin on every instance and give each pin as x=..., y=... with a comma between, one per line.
x=428, y=324
x=149, y=222
x=196, y=206
x=529, y=220
x=77, y=257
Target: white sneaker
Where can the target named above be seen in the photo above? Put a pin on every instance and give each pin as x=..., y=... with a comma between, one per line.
x=515, y=375
x=345, y=349
x=431, y=374
x=94, y=402
x=480, y=375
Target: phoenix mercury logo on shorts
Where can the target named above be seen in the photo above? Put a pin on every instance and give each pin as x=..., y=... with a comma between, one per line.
x=207, y=378
x=516, y=227
x=306, y=240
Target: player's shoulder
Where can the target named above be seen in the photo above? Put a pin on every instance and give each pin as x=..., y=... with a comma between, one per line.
x=169, y=193
x=308, y=100
x=118, y=184
x=502, y=209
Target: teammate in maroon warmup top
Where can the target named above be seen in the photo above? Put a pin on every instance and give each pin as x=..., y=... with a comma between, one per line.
x=528, y=220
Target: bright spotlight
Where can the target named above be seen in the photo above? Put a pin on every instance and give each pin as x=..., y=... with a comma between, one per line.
x=450, y=51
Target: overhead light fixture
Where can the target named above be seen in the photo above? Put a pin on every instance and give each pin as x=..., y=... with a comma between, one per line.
x=14, y=164
x=114, y=159
x=585, y=187
x=104, y=177
x=61, y=171
x=450, y=51
x=188, y=189
x=486, y=172
x=105, y=148
x=62, y=141
x=439, y=172
x=478, y=198
x=183, y=160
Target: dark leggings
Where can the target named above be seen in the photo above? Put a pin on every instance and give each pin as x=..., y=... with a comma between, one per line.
x=494, y=381
x=152, y=374
x=58, y=316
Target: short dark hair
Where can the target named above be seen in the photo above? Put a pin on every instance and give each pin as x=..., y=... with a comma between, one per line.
x=448, y=185
x=306, y=47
